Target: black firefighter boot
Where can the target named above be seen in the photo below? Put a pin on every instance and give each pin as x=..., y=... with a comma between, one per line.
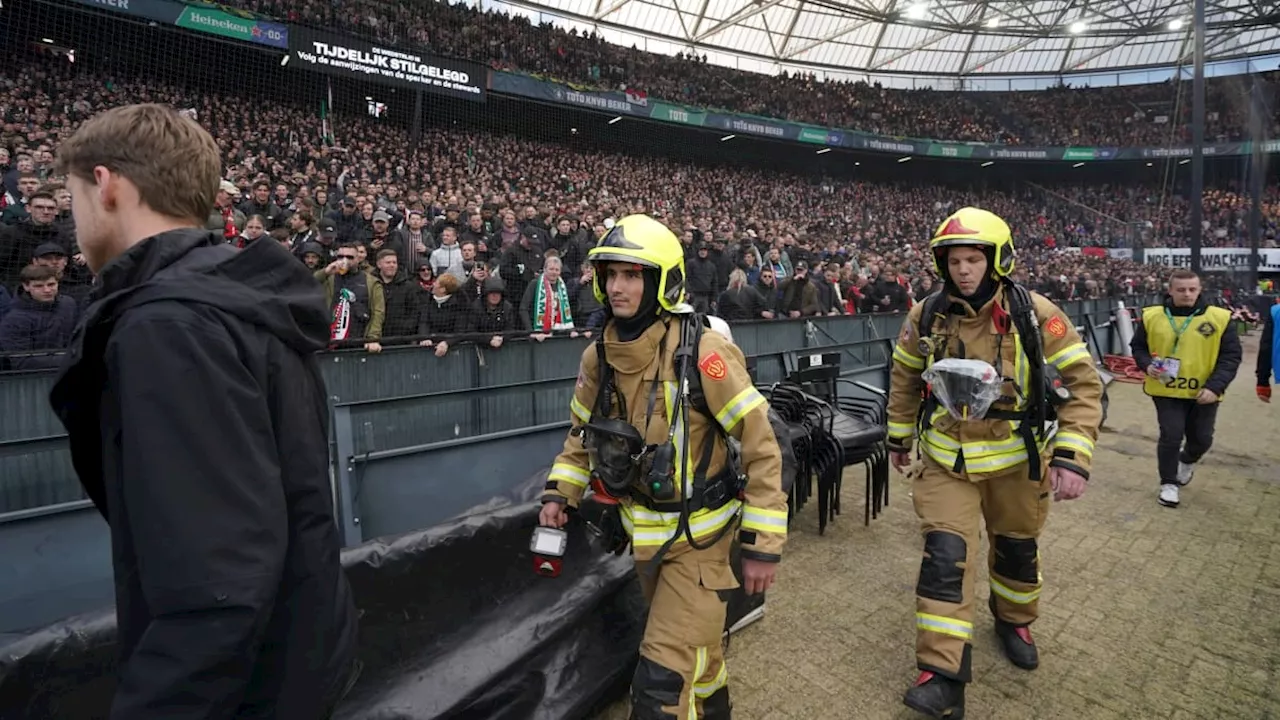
x=1016, y=641
x=936, y=696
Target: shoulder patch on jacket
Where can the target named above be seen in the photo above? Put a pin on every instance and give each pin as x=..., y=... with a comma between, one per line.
x=713, y=366
x=1056, y=327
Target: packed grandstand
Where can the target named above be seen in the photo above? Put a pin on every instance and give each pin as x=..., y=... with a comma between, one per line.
x=479, y=199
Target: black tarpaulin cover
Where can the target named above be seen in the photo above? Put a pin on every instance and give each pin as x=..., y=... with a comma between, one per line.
x=454, y=624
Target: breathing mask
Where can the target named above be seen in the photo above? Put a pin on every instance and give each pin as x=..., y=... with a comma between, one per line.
x=616, y=448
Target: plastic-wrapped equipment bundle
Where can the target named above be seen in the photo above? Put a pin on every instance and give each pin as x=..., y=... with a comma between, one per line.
x=966, y=388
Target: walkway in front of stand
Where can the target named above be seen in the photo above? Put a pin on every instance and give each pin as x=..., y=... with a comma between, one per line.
x=1147, y=612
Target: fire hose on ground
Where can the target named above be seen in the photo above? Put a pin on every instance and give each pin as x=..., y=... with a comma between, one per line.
x=1123, y=368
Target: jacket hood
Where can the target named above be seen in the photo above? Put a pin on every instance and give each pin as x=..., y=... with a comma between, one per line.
x=263, y=284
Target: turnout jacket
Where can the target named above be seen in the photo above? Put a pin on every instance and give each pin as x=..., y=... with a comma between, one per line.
x=992, y=447
x=734, y=403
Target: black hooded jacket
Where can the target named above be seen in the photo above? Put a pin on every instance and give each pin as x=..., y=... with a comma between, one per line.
x=198, y=426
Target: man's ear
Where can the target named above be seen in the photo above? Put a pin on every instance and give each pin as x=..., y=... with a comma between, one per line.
x=107, y=185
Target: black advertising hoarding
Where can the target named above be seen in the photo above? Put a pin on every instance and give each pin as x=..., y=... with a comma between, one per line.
x=354, y=58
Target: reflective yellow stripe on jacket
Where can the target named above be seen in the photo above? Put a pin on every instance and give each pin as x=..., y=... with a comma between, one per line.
x=669, y=392
x=563, y=472
x=981, y=457
x=652, y=529
x=899, y=430
x=907, y=358
x=984, y=457
x=737, y=408
x=1074, y=441
x=1069, y=356
x=579, y=410
x=761, y=520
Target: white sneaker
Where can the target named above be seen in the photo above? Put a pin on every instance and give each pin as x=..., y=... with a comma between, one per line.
x=1169, y=495
x=1185, y=472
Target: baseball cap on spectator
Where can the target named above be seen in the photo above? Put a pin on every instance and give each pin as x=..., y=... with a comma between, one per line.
x=327, y=228
x=802, y=265
x=349, y=202
x=49, y=249
x=229, y=188
x=381, y=216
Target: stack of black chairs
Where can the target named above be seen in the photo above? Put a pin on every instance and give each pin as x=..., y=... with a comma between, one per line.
x=810, y=422
x=830, y=432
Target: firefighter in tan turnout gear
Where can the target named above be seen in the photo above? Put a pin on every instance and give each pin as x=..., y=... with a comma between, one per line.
x=655, y=404
x=999, y=468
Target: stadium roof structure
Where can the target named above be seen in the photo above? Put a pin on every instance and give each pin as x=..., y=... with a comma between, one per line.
x=942, y=38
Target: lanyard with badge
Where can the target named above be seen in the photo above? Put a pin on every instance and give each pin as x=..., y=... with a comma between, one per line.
x=1172, y=364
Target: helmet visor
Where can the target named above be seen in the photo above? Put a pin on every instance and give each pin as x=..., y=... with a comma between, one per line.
x=957, y=241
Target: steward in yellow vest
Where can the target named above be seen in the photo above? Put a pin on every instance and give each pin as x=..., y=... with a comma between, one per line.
x=1190, y=353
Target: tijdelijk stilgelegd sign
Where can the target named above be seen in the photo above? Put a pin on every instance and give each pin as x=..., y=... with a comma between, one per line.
x=350, y=57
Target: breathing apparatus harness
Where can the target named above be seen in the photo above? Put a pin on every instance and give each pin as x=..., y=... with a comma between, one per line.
x=617, y=475
x=1046, y=391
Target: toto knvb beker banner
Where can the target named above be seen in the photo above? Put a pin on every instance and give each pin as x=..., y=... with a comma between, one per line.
x=339, y=55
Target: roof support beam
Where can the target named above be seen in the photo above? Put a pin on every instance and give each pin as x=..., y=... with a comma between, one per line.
x=744, y=13
x=702, y=13
x=1097, y=53
x=768, y=33
x=973, y=37
x=613, y=8
x=830, y=37
x=975, y=64
x=791, y=27
x=933, y=39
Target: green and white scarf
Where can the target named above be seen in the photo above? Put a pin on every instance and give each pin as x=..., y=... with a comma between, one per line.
x=549, y=314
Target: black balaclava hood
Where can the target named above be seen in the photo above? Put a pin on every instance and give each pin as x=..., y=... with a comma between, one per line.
x=634, y=326
x=986, y=290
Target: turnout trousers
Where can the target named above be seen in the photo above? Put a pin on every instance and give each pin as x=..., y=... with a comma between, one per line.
x=1179, y=419
x=681, y=674
x=952, y=512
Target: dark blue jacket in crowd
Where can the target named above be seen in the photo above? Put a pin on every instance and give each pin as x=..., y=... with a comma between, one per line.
x=32, y=325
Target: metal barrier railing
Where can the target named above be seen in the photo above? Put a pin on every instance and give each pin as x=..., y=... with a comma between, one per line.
x=354, y=460
x=35, y=469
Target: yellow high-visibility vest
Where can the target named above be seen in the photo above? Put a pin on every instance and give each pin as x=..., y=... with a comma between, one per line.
x=1194, y=340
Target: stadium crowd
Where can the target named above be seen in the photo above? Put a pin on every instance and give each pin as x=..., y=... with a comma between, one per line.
x=475, y=234
x=1146, y=115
